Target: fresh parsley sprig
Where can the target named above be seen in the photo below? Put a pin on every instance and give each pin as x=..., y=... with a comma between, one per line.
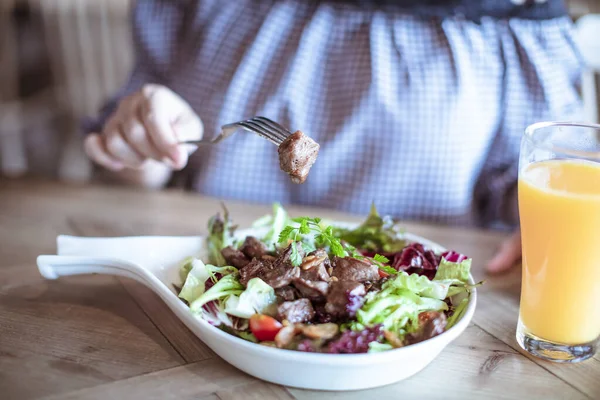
x=323, y=237
x=352, y=251
x=380, y=261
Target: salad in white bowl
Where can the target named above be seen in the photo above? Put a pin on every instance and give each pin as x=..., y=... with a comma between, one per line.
x=308, y=286
x=298, y=302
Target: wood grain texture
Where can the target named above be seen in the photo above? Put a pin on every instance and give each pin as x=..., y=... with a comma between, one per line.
x=74, y=333
x=498, y=316
x=98, y=337
x=255, y=391
x=192, y=381
x=189, y=347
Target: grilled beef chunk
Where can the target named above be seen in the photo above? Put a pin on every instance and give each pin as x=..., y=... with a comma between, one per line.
x=297, y=154
x=277, y=274
x=318, y=273
x=253, y=248
x=300, y=310
x=234, y=257
x=283, y=272
x=313, y=290
x=280, y=276
x=351, y=269
x=255, y=268
x=431, y=323
x=287, y=293
x=344, y=298
x=313, y=282
x=315, y=265
x=322, y=316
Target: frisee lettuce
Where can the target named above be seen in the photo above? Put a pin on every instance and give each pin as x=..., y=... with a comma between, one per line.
x=276, y=223
x=196, y=274
x=376, y=233
x=225, y=287
x=220, y=235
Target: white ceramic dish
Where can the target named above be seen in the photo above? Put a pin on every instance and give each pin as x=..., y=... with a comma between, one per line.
x=154, y=261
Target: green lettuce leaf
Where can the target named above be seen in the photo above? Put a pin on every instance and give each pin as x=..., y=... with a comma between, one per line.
x=420, y=285
x=194, y=288
x=400, y=301
x=258, y=298
x=248, y=336
x=186, y=267
x=375, y=233
x=225, y=287
x=455, y=275
x=376, y=347
x=391, y=312
x=451, y=270
x=197, y=275
x=458, y=313
x=194, y=284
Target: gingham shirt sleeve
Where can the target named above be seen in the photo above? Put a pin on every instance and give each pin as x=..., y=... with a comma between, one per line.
x=155, y=27
x=548, y=69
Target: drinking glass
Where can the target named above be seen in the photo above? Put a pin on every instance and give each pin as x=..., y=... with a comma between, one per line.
x=559, y=210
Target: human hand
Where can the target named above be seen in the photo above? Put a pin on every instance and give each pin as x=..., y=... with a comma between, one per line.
x=147, y=125
x=507, y=256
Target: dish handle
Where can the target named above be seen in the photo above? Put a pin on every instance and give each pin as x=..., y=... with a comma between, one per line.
x=53, y=267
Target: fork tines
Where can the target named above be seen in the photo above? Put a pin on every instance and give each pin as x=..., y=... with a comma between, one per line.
x=267, y=128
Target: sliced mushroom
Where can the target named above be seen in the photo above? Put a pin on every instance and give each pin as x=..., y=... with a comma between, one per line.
x=320, y=331
x=393, y=338
x=312, y=261
x=285, y=336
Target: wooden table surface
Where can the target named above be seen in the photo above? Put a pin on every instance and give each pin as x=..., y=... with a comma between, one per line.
x=105, y=337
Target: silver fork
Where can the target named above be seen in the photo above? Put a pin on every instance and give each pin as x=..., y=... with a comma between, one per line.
x=264, y=127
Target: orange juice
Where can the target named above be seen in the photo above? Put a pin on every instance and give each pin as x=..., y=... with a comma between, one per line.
x=559, y=205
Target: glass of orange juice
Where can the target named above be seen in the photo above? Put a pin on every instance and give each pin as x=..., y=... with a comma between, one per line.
x=559, y=210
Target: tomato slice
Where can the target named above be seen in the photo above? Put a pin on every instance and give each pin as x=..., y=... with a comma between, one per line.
x=264, y=328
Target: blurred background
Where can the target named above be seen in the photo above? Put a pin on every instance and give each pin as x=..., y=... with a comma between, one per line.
x=61, y=59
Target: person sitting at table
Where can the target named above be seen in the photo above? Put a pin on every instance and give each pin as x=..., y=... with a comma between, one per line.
x=418, y=106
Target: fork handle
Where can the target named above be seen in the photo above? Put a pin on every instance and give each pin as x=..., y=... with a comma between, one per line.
x=196, y=142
